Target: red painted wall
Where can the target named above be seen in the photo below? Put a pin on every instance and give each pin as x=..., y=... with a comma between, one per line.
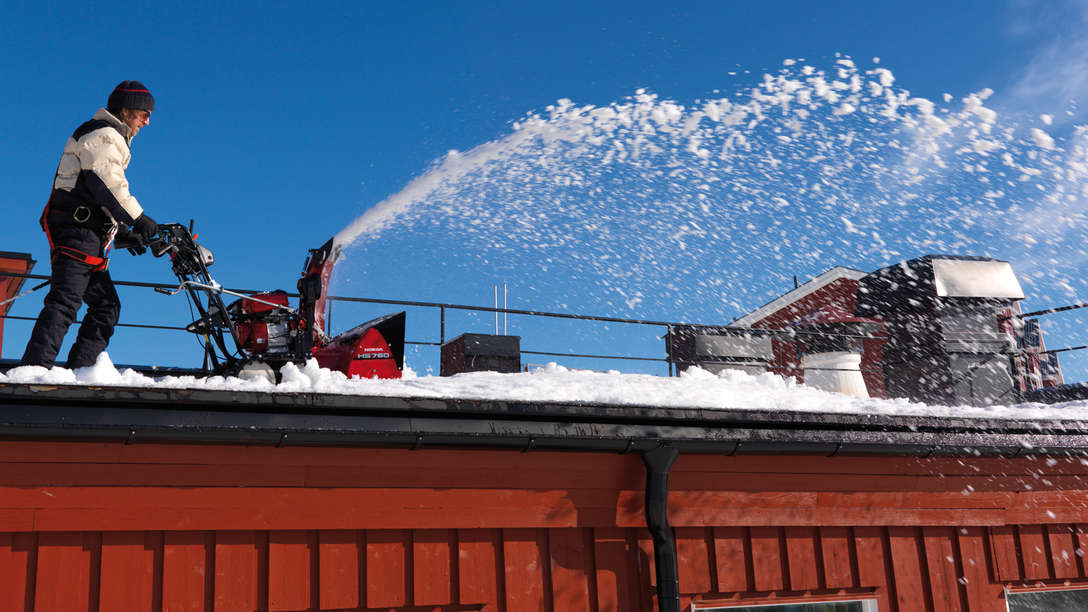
x=840, y=294
x=19, y=263
x=176, y=527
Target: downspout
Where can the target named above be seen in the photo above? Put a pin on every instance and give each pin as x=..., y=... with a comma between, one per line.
x=658, y=461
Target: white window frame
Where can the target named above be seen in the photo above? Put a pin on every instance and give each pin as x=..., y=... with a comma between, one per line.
x=1031, y=591
x=867, y=604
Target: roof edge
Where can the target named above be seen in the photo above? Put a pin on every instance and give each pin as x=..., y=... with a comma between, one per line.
x=126, y=415
x=811, y=286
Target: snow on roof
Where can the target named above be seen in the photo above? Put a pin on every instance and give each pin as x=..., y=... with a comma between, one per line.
x=695, y=388
x=800, y=292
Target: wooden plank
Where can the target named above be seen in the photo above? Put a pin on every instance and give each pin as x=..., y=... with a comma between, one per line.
x=702, y=468
x=187, y=578
x=338, y=556
x=943, y=573
x=1063, y=556
x=359, y=467
x=1062, y=504
x=1005, y=553
x=524, y=570
x=506, y=473
x=713, y=508
x=1080, y=539
x=432, y=566
x=908, y=569
x=18, y=558
x=754, y=482
x=291, y=569
x=768, y=561
x=731, y=558
x=387, y=568
x=801, y=553
x=16, y=451
x=693, y=560
x=647, y=573
x=119, y=474
x=699, y=469
x=981, y=591
x=616, y=569
x=131, y=571
x=241, y=566
x=478, y=561
x=874, y=564
x=837, y=562
x=68, y=572
x=373, y=459
x=206, y=474
x=228, y=503
x=572, y=567
x=1033, y=552
x=275, y=508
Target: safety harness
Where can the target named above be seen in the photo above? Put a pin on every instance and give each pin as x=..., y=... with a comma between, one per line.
x=81, y=214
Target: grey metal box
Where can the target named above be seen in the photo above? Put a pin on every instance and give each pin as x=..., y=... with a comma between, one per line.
x=481, y=353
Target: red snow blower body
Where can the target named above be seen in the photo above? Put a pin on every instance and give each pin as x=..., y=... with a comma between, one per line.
x=266, y=331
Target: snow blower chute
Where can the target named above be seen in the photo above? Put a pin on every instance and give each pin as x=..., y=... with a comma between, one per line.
x=266, y=332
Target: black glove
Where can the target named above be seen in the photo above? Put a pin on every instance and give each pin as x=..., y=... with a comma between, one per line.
x=146, y=227
x=127, y=239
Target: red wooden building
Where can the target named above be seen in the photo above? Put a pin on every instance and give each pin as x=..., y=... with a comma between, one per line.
x=17, y=263
x=153, y=499
x=149, y=500
x=939, y=329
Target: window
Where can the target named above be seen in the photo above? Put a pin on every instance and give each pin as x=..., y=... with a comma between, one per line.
x=867, y=605
x=1067, y=600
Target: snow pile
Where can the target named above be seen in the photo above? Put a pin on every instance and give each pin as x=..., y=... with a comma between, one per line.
x=695, y=388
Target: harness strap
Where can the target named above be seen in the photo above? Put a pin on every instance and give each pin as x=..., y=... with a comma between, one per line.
x=99, y=263
x=55, y=250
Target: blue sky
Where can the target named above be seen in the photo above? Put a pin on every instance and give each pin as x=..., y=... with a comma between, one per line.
x=278, y=124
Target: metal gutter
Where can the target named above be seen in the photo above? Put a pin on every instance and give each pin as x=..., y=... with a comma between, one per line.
x=186, y=415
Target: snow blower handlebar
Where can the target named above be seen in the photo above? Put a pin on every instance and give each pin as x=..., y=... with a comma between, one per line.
x=189, y=258
x=217, y=288
x=189, y=262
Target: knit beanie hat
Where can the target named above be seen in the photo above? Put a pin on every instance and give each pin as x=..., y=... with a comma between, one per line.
x=130, y=94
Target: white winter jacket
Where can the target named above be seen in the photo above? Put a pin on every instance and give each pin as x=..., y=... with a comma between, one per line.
x=91, y=172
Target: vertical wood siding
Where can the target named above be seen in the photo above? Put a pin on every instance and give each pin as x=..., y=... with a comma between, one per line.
x=540, y=569
x=86, y=527
x=905, y=568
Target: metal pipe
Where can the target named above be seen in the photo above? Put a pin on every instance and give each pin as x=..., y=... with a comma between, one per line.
x=217, y=288
x=790, y=333
x=658, y=461
x=27, y=292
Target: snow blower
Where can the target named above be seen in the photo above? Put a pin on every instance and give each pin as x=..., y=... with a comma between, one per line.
x=265, y=331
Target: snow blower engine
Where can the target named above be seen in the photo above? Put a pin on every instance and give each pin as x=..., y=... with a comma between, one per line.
x=265, y=330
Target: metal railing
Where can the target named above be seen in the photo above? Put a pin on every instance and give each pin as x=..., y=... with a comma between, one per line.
x=669, y=326
x=443, y=308
x=1046, y=311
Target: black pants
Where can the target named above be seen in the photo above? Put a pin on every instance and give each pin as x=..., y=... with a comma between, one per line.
x=74, y=282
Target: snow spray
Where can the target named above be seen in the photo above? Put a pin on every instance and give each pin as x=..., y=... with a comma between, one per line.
x=703, y=211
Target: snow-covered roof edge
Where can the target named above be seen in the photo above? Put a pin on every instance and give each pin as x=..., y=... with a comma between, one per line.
x=808, y=288
x=143, y=415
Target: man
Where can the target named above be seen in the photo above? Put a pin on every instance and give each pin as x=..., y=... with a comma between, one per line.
x=90, y=204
